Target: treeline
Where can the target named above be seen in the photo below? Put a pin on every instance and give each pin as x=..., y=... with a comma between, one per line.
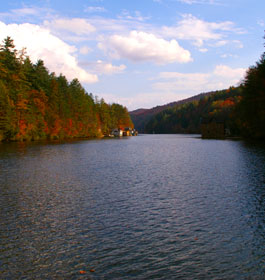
x=241, y=109
x=187, y=118
x=36, y=104
x=141, y=117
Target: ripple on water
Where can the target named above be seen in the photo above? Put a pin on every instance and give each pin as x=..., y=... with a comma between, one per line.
x=149, y=207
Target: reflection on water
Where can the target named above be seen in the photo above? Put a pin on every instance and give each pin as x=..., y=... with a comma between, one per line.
x=147, y=207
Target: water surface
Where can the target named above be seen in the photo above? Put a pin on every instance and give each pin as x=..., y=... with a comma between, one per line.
x=146, y=207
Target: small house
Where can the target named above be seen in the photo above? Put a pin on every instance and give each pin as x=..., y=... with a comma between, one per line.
x=127, y=131
x=117, y=132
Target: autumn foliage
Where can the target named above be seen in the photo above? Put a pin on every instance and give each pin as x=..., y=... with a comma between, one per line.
x=187, y=117
x=36, y=104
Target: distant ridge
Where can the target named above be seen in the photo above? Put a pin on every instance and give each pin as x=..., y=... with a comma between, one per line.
x=141, y=116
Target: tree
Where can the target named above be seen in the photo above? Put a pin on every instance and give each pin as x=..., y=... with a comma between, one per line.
x=36, y=104
x=252, y=105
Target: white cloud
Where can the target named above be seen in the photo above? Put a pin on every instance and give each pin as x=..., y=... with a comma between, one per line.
x=221, y=43
x=93, y=9
x=193, y=83
x=181, y=82
x=203, y=50
x=85, y=50
x=143, y=100
x=199, y=31
x=58, y=56
x=101, y=67
x=126, y=15
x=233, y=43
x=27, y=13
x=78, y=26
x=238, y=44
x=141, y=46
x=228, y=72
x=190, y=2
x=79, y=30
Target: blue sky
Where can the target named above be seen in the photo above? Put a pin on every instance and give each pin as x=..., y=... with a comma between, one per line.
x=140, y=53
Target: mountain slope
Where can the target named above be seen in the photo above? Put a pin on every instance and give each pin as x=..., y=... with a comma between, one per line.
x=141, y=117
x=187, y=118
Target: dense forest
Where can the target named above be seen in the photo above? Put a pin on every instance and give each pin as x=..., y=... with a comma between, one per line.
x=187, y=117
x=36, y=104
x=140, y=117
x=241, y=109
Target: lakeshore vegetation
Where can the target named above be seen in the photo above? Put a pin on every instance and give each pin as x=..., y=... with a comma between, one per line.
x=36, y=104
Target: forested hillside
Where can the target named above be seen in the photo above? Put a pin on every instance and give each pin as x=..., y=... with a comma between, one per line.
x=241, y=109
x=187, y=117
x=141, y=117
x=36, y=104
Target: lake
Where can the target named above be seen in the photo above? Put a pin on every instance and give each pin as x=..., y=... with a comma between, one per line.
x=146, y=207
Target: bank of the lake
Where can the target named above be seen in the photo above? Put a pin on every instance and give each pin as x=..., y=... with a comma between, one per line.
x=146, y=207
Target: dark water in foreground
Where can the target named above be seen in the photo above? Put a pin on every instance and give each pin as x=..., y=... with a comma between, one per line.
x=147, y=207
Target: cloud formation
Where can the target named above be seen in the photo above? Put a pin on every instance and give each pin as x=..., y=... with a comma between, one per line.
x=108, y=69
x=75, y=30
x=27, y=14
x=100, y=67
x=94, y=9
x=193, y=83
x=77, y=26
x=143, y=99
x=59, y=57
x=141, y=46
x=228, y=72
x=209, y=2
x=199, y=31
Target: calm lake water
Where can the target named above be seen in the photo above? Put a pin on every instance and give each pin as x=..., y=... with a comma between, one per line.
x=146, y=207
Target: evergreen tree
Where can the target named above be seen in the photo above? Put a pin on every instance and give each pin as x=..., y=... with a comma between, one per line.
x=252, y=105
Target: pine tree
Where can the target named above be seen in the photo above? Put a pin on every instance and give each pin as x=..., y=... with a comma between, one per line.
x=252, y=105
